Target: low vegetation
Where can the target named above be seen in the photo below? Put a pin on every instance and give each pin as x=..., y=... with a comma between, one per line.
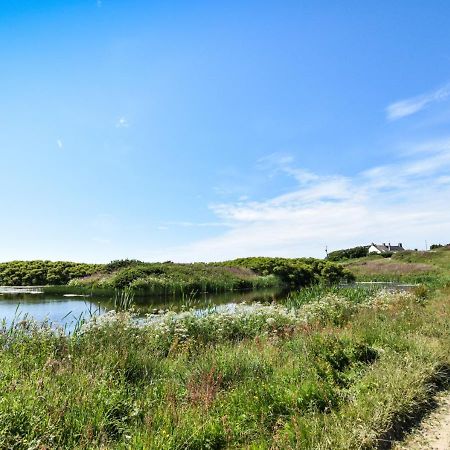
x=170, y=278
x=348, y=253
x=408, y=266
x=331, y=367
x=40, y=273
x=295, y=271
x=333, y=370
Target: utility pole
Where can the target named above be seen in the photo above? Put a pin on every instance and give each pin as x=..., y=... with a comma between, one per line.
x=426, y=245
x=326, y=250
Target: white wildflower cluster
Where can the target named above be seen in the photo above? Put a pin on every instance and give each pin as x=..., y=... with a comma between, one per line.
x=383, y=299
x=216, y=324
x=108, y=319
x=241, y=320
x=329, y=308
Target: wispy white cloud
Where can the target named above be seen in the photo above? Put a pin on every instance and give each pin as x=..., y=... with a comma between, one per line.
x=406, y=201
x=59, y=143
x=409, y=106
x=283, y=163
x=99, y=3
x=122, y=122
x=188, y=224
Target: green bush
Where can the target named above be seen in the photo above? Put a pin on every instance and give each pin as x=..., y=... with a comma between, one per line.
x=40, y=273
x=295, y=272
x=348, y=253
x=170, y=278
x=120, y=264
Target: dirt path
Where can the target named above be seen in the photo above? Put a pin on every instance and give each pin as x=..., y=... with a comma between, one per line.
x=434, y=431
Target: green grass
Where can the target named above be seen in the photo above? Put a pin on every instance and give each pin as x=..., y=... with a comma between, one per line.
x=175, y=279
x=245, y=273
x=171, y=279
x=339, y=371
x=431, y=267
x=316, y=292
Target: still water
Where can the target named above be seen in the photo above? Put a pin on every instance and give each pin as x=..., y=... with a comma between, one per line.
x=67, y=309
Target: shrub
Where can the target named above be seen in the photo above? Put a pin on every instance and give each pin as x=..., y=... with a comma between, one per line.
x=295, y=272
x=34, y=273
x=120, y=264
x=348, y=253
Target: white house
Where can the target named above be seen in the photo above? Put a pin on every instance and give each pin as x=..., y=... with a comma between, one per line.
x=383, y=248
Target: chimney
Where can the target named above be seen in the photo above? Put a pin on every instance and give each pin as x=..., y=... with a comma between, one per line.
x=389, y=246
x=400, y=245
x=384, y=244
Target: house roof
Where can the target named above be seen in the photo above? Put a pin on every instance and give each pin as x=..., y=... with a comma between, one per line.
x=383, y=248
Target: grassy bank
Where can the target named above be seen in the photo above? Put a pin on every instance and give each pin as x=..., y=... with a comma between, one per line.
x=431, y=267
x=333, y=372
x=170, y=278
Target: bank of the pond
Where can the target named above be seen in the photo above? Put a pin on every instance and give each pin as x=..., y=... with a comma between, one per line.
x=66, y=306
x=338, y=372
x=170, y=278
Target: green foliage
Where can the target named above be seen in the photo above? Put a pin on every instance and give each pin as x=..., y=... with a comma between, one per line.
x=348, y=253
x=314, y=293
x=295, y=272
x=421, y=291
x=120, y=264
x=265, y=385
x=436, y=246
x=169, y=278
x=40, y=273
x=123, y=299
x=427, y=267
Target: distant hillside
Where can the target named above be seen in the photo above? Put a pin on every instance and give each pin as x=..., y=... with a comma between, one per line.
x=407, y=266
x=169, y=278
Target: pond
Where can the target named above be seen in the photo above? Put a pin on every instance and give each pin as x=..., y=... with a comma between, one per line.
x=67, y=309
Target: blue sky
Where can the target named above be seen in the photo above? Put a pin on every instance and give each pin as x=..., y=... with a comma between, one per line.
x=210, y=130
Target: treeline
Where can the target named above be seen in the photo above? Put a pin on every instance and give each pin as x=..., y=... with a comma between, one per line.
x=436, y=246
x=41, y=273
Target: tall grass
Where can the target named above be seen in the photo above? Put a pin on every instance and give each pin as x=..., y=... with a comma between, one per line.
x=431, y=268
x=355, y=294
x=123, y=299
x=176, y=279
x=262, y=377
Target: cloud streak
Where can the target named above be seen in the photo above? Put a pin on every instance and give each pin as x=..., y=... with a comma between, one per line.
x=406, y=201
x=413, y=105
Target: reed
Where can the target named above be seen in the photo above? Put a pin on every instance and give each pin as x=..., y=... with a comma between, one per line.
x=123, y=299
